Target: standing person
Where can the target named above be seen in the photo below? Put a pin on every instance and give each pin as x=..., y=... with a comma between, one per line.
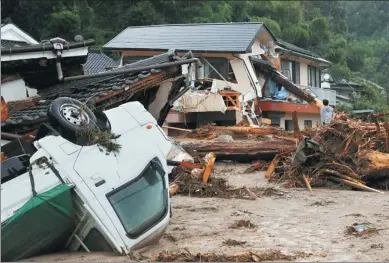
x=326, y=113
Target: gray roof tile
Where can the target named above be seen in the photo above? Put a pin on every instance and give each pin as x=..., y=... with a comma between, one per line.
x=98, y=62
x=220, y=37
x=12, y=43
x=295, y=48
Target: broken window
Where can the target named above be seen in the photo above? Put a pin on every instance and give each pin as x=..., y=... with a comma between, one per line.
x=143, y=202
x=291, y=69
x=96, y=242
x=220, y=66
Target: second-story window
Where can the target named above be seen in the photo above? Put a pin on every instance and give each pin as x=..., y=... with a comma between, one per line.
x=291, y=69
x=313, y=76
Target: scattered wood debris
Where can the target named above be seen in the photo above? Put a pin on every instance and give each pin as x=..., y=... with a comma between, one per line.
x=257, y=166
x=233, y=242
x=322, y=203
x=272, y=255
x=346, y=152
x=170, y=237
x=185, y=183
x=243, y=224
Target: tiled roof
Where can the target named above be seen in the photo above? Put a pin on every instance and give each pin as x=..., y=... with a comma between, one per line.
x=295, y=48
x=98, y=62
x=216, y=37
x=101, y=90
x=11, y=43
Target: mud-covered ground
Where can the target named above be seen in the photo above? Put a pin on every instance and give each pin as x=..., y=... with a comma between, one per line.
x=311, y=226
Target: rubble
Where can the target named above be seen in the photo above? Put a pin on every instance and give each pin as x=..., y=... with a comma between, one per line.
x=185, y=183
x=346, y=152
x=243, y=223
x=273, y=255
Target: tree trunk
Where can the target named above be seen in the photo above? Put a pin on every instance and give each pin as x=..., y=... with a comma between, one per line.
x=239, y=150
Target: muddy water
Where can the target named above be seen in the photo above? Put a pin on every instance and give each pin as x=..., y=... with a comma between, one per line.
x=296, y=221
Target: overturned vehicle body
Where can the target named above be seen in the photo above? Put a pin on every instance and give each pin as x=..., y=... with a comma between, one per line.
x=106, y=192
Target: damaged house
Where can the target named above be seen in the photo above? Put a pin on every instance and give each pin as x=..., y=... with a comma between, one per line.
x=57, y=68
x=231, y=85
x=303, y=68
x=226, y=75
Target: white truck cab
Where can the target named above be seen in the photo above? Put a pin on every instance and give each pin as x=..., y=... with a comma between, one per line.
x=121, y=201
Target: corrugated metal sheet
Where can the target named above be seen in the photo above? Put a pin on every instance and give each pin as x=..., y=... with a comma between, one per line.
x=220, y=37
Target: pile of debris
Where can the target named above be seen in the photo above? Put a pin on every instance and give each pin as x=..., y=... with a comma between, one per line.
x=273, y=255
x=189, y=182
x=347, y=152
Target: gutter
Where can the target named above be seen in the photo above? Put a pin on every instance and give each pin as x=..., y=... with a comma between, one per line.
x=177, y=50
x=132, y=70
x=306, y=56
x=46, y=47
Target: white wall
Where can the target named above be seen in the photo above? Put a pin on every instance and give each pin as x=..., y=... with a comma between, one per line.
x=11, y=32
x=16, y=90
x=315, y=118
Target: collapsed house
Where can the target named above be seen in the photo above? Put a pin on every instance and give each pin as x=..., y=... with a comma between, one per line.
x=231, y=85
x=136, y=82
x=280, y=98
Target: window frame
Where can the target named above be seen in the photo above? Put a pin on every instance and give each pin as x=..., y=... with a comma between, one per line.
x=311, y=123
x=154, y=220
x=293, y=68
x=214, y=61
x=314, y=75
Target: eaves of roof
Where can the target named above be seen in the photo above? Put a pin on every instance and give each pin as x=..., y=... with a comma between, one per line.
x=298, y=54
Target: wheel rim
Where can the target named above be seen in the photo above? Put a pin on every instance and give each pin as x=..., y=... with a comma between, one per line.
x=73, y=115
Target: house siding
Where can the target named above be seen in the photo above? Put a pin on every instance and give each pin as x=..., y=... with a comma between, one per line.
x=315, y=118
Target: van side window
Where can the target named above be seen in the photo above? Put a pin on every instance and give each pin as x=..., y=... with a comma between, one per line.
x=143, y=202
x=95, y=241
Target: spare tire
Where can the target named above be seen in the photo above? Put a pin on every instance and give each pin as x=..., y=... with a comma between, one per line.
x=70, y=117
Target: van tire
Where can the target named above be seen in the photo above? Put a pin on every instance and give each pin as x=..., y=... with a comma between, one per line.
x=64, y=115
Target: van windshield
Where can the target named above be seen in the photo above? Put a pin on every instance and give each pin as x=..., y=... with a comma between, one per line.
x=143, y=202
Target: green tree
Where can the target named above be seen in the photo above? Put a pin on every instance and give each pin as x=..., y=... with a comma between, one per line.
x=271, y=24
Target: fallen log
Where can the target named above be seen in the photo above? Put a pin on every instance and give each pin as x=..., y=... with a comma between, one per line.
x=374, y=164
x=248, y=130
x=239, y=150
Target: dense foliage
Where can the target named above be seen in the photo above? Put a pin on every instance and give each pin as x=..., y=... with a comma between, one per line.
x=352, y=34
